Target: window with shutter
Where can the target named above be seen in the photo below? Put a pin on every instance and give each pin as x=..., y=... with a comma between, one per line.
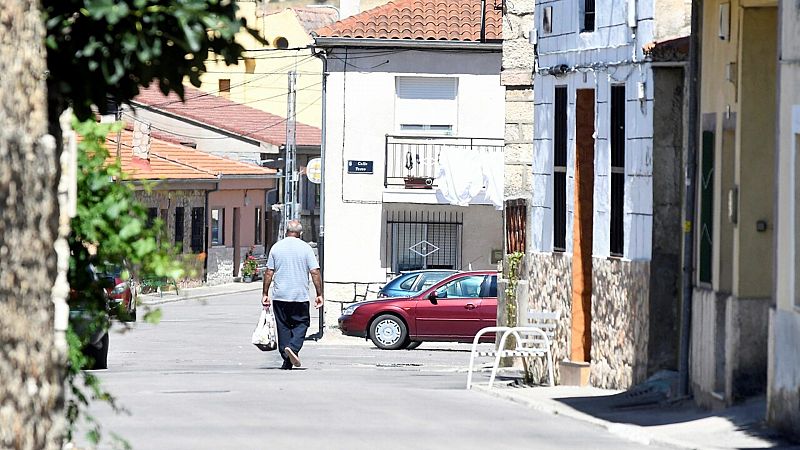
x=426, y=105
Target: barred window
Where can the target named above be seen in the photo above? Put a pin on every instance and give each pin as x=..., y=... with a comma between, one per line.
x=423, y=240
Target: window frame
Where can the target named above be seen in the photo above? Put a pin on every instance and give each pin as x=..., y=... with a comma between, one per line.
x=560, y=149
x=258, y=234
x=218, y=235
x=178, y=235
x=617, y=141
x=588, y=16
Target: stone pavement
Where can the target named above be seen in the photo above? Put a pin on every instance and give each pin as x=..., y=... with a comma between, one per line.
x=678, y=425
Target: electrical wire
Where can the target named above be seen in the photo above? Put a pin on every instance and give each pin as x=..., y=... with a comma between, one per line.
x=185, y=106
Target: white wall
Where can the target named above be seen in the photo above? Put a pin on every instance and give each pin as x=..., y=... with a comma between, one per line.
x=360, y=113
x=612, y=54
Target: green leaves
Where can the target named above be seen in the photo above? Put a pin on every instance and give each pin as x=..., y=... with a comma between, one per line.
x=107, y=49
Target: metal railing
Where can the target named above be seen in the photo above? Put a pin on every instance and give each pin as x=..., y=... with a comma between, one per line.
x=412, y=162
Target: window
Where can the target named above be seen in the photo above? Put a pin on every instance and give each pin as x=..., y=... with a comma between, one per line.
x=560, y=170
x=587, y=16
x=547, y=20
x=218, y=226
x=408, y=283
x=424, y=240
x=617, y=134
x=706, y=223
x=179, y=226
x=224, y=87
x=198, y=229
x=259, y=220
x=426, y=105
x=466, y=287
x=152, y=214
x=516, y=216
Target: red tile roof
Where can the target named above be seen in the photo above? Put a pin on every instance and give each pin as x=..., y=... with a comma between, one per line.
x=227, y=115
x=176, y=162
x=444, y=20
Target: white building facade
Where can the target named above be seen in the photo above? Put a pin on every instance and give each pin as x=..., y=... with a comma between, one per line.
x=389, y=116
x=606, y=185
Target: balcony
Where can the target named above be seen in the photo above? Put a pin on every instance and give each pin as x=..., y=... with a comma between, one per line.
x=412, y=163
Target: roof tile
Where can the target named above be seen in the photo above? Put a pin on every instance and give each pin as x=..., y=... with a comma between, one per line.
x=455, y=20
x=228, y=115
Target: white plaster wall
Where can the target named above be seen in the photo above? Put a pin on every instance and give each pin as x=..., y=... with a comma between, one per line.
x=360, y=113
x=612, y=54
x=638, y=205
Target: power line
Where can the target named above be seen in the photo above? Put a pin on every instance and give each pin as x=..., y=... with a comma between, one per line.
x=233, y=104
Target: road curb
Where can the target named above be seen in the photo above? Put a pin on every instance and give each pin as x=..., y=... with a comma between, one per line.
x=634, y=433
x=180, y=298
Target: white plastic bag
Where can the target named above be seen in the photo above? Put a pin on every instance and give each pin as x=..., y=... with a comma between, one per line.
x=265, y=336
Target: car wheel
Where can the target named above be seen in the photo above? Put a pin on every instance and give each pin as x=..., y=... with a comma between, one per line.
x=388, y=332
x=99, y=355
x=413, y=344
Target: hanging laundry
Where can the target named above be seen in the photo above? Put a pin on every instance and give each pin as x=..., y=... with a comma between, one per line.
x=460, y=177
x=492, y=165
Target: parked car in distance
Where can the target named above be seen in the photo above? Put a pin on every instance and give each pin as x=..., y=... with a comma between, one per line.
x=122, y=301
x=453, y=310
x=409, y=283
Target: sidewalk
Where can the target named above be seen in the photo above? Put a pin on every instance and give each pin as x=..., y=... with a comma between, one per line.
x=678, y=425
x=198, y=292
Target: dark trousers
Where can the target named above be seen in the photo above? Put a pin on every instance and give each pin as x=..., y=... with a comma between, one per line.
x=292, y=319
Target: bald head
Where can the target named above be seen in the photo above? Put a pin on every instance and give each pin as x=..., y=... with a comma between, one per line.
x=294, y=228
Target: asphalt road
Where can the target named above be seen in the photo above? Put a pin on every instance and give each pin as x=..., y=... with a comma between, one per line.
x=194, y=381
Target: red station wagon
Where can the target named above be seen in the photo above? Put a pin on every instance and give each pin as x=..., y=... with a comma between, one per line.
x=454, y=309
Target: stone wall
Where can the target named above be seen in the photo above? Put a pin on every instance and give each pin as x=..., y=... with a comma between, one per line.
x=783, y=399
x=550, y=289
x=220, y=265
x=517, y=76
x=620, y=300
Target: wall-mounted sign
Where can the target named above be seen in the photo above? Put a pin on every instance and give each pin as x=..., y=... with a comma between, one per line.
x=354, y=166
x=314, y=170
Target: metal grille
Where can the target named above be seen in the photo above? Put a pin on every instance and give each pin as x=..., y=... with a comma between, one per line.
x=560, y=170
x=515, y=225
x=179, y=226
x=198, y=229
x=617, y=133
x=417, y=157
x=424, y=240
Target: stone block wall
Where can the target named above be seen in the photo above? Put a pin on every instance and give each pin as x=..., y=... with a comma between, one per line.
x=620, y=326
x=550, y=289
x=517, y=76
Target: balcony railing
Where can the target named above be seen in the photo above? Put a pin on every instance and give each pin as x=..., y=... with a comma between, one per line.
x=412, y=162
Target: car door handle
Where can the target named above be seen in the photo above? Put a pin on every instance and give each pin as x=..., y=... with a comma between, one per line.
x=469, y=306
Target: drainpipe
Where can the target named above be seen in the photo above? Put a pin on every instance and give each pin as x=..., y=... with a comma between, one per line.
x=321, y=241
x=483, y=21
x=205, y=228
x=689, y=198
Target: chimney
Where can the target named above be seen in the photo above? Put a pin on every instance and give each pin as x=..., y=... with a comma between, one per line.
x=349, y=8
x=141, y=140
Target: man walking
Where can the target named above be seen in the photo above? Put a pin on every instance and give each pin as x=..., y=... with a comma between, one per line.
x=290, y=262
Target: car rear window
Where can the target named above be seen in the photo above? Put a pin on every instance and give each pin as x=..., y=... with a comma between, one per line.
x=407, y=284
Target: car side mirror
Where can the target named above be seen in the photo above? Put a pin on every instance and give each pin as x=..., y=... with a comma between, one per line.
x=432, y=298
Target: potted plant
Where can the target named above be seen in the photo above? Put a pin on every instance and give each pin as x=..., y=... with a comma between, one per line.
x=249, y=267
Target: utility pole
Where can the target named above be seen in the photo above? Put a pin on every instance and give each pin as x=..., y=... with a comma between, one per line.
x=290, y=172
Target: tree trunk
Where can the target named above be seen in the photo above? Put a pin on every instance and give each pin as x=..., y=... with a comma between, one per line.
x=31, y=394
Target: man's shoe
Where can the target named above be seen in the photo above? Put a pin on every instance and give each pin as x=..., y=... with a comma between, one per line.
x=287, y=365
x=292, y=356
